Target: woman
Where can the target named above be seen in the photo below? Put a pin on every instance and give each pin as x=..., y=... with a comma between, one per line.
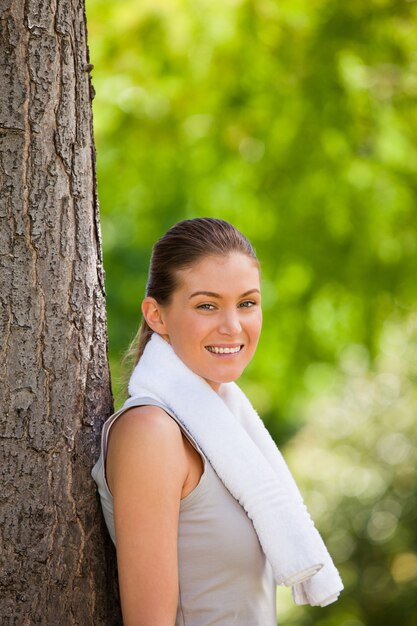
x=203, y=511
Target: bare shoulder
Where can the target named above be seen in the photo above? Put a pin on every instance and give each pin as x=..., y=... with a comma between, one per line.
x=145, y=440
x=145, y=421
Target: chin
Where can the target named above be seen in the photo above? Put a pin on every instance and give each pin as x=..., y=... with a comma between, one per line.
x=230, y=378
x=221, y=378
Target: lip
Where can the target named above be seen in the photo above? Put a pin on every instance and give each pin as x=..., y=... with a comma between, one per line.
x=225, y=345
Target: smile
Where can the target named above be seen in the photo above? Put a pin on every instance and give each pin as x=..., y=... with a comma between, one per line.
x=223, y=350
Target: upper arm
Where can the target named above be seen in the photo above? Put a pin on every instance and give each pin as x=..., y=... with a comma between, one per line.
x=146, y=469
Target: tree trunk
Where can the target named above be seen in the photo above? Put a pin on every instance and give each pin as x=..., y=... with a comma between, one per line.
x=57, y=567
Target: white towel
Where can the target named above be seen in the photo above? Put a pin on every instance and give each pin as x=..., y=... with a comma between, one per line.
x=246, y=459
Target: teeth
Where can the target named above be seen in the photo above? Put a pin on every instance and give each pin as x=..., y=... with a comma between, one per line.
x=223, y=350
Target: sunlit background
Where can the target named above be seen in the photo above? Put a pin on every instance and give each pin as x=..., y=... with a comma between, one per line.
x=297, y=121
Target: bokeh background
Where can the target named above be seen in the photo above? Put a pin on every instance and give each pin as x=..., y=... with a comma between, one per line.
x=297, y=121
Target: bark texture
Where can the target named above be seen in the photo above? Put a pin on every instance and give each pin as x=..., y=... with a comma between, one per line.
x=57, y=567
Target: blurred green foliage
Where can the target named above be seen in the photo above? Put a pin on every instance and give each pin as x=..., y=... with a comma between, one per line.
x=357, y=461
x=297, y=121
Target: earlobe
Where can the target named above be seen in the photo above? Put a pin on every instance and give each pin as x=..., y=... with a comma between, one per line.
x=151, y=311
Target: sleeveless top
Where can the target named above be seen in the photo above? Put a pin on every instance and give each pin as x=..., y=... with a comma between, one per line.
x=224, y=577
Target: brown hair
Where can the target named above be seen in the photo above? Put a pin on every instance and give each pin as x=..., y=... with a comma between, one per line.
x=182, y=246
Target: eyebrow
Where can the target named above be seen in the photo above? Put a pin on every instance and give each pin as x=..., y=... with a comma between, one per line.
x=212, y=294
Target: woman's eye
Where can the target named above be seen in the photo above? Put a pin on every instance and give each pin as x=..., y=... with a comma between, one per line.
x=247, y=304
x=206, y=306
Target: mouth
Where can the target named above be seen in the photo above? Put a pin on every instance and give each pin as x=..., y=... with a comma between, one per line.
x=224, y=349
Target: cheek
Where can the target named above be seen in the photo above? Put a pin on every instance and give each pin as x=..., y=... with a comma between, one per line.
x=256, y=324
x=190, y=330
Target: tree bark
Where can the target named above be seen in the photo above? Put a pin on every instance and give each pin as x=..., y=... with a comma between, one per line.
x=57, y=567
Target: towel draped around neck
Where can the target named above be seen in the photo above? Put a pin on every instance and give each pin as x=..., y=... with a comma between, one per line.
x=238, y=446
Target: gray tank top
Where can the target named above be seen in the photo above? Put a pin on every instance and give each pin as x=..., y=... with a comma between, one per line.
x=224, y=577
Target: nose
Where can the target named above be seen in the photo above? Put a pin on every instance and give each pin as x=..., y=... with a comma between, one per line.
x=230, y=323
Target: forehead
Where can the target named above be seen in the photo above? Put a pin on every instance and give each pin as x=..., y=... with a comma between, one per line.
x=234, y=272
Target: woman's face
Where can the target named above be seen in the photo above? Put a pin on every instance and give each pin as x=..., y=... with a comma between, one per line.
x=214, y=319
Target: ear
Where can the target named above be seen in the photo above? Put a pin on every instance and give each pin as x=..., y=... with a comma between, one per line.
x=152, y=313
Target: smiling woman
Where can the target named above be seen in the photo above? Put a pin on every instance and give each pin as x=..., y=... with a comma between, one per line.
x=204, y=513
x=214, y=330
